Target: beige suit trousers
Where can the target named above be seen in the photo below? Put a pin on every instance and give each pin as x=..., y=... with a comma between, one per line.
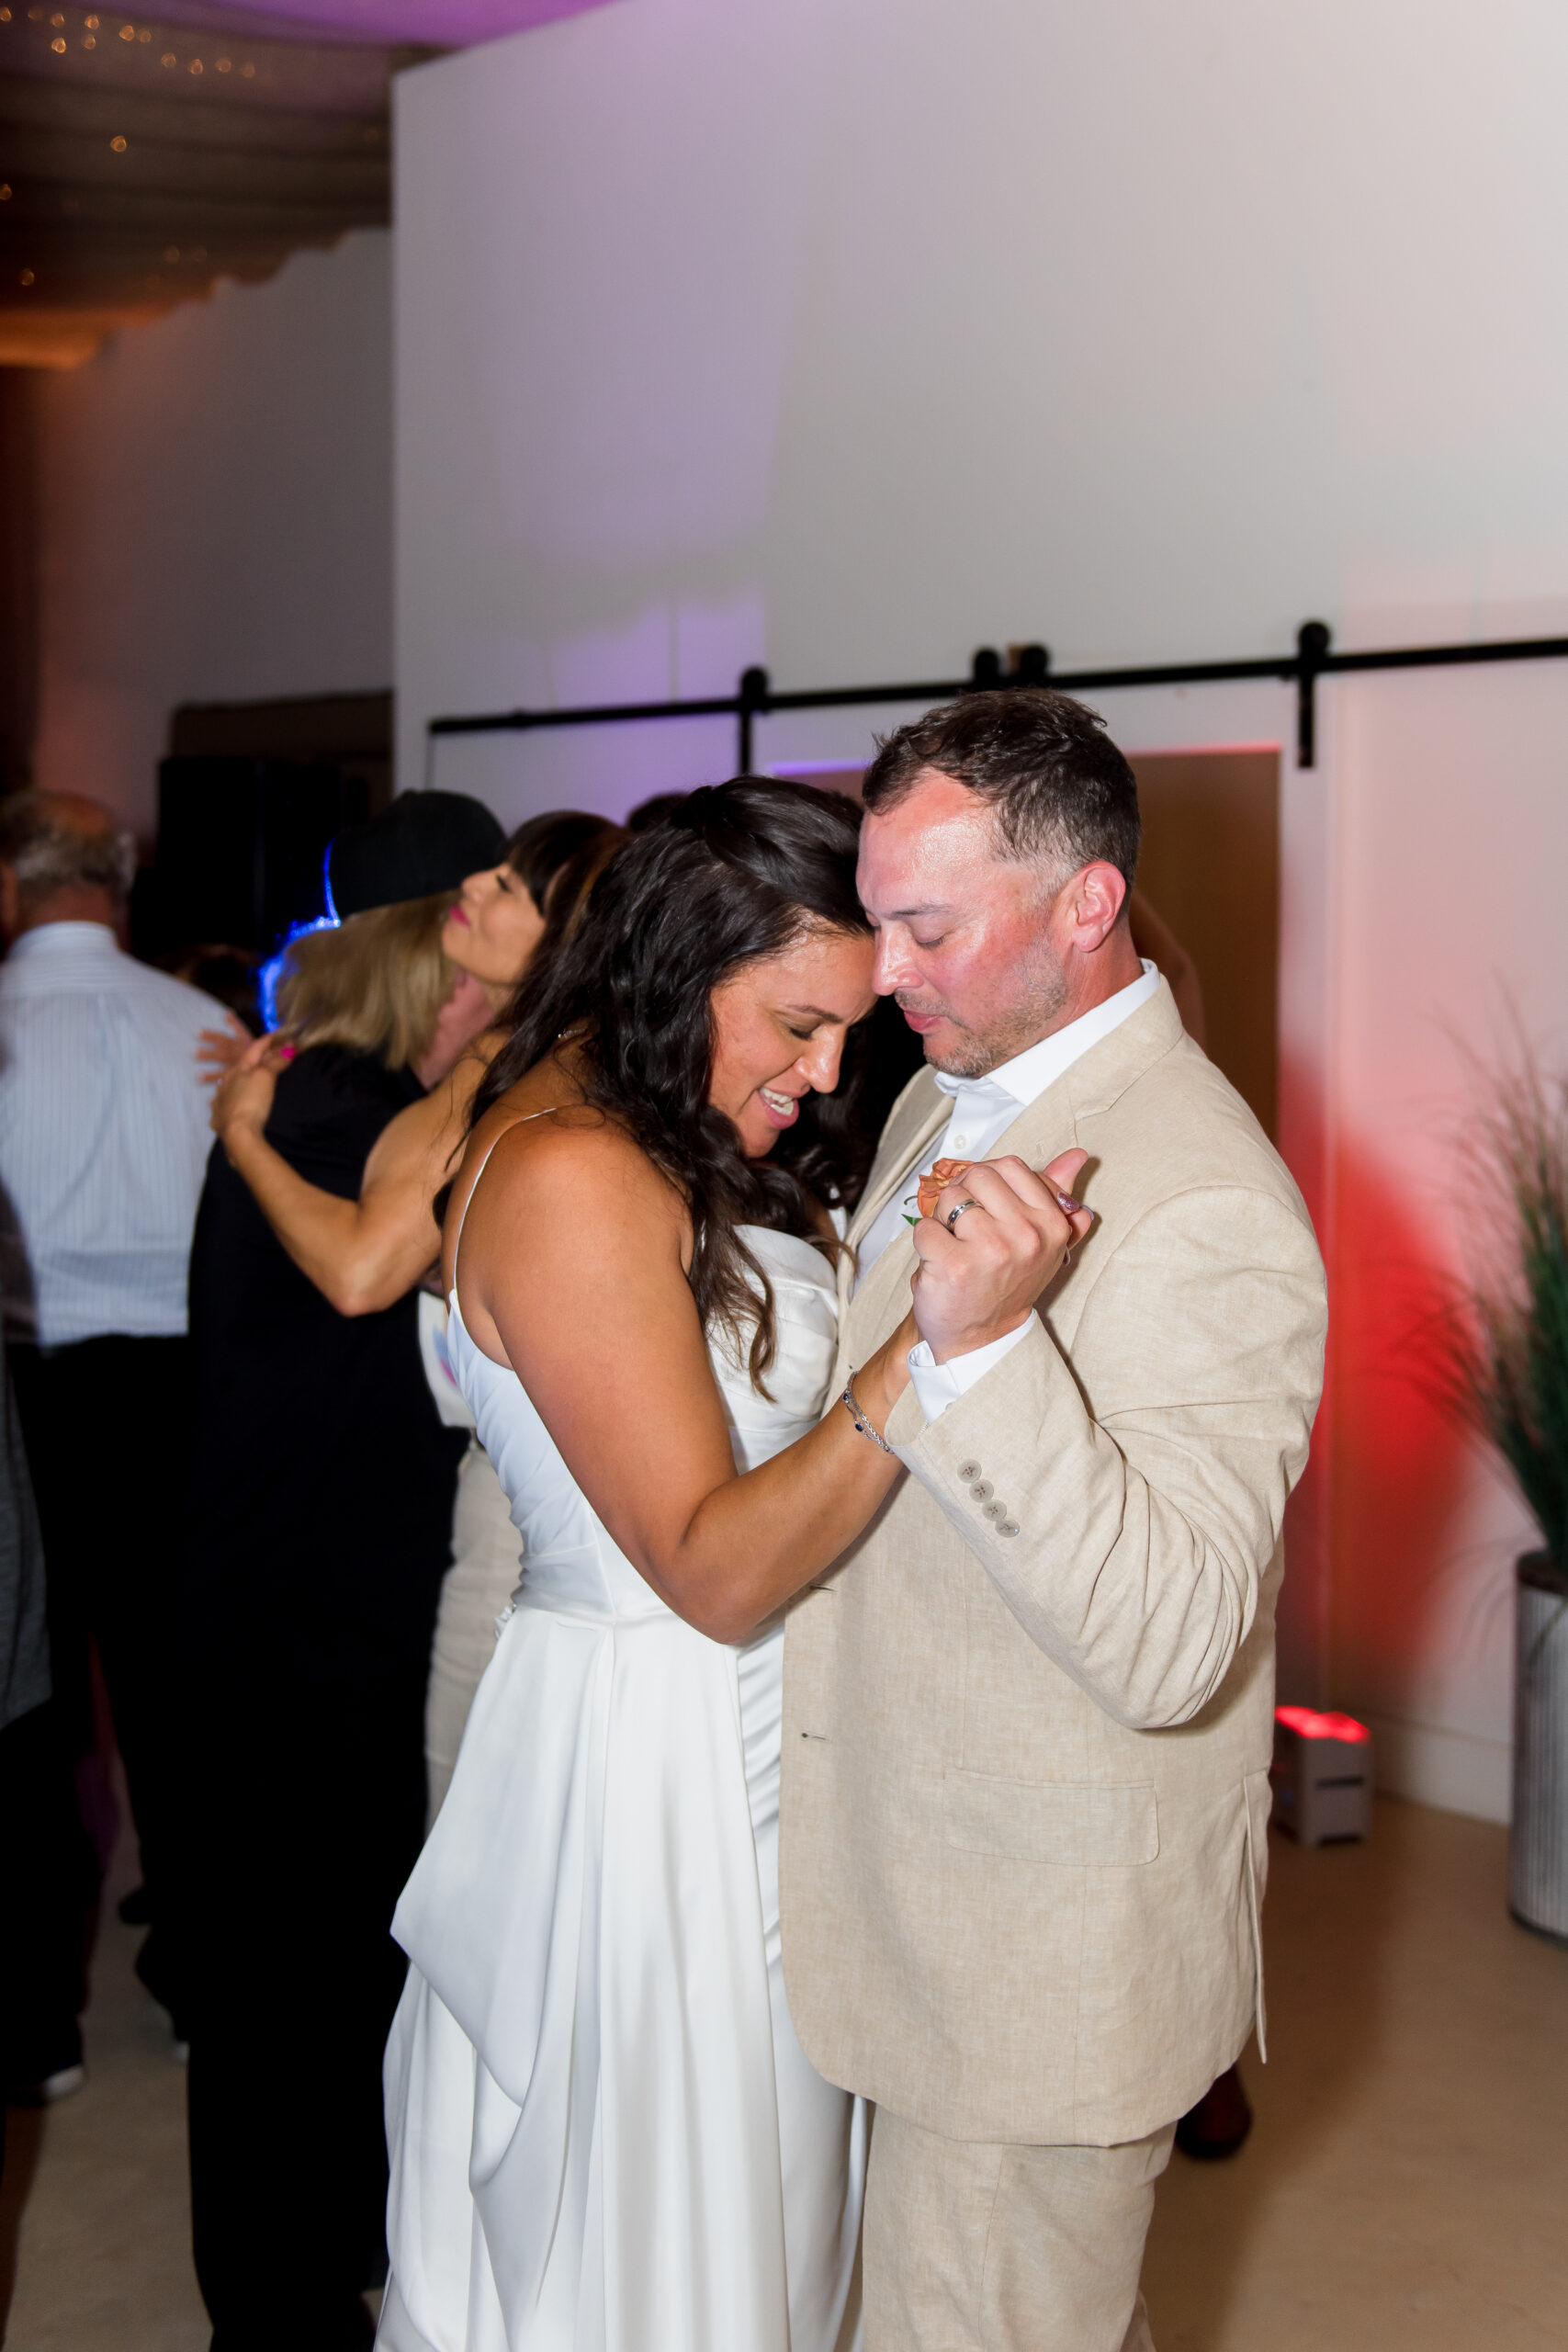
x=971, y=2246
x=486, y=1570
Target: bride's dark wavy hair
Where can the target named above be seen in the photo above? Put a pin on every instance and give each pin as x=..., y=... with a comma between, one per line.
x=737, y=871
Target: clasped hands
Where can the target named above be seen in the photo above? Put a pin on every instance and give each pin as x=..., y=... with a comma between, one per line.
x=978, y=1278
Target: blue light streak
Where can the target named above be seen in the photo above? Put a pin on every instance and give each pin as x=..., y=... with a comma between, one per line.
x=272, y=971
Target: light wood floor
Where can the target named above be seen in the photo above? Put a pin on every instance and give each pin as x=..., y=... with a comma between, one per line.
x=1405, y=2189
x=95, y=2213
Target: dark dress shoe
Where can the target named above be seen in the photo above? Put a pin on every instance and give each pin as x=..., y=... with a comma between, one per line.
x=1220, y=2123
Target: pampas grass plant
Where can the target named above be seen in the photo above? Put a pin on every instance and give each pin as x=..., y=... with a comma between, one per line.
x=1511, y=1354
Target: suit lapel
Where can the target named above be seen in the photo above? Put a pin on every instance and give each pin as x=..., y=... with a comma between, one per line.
x=882, y=1300
x=1108, y=1069
x=1042, y=1131
x=916, y=1120
x=1046, y=1128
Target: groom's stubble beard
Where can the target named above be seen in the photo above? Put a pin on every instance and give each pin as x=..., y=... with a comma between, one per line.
x=1038, y=994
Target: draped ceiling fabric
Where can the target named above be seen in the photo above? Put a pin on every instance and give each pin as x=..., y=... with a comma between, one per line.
x=144, y=156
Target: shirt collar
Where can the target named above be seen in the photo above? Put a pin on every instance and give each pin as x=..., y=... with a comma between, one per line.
x=60, y=938
x=1025, y=1079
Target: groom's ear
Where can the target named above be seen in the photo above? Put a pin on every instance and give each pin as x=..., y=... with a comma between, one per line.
x=1095, y=902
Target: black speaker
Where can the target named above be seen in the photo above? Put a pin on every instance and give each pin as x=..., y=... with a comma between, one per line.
x=240, y=846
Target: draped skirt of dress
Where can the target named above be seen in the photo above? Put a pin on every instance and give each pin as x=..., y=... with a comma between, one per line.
x=608, y=2137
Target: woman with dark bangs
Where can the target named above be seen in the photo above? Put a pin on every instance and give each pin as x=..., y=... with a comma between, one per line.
x=605, y=2134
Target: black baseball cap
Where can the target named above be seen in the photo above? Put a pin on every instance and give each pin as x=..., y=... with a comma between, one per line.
x=426, y=841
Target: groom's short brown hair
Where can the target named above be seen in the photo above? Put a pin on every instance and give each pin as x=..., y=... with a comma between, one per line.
x=1061, y=790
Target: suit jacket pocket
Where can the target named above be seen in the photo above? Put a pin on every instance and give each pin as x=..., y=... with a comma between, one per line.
x=1074, y=1826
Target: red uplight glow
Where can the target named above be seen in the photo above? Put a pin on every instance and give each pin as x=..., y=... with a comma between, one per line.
x=1307, y=1724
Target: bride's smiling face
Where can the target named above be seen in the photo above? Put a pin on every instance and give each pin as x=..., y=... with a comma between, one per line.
x=780, y=1023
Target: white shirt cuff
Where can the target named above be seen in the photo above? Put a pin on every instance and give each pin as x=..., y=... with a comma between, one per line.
x=938, y=1386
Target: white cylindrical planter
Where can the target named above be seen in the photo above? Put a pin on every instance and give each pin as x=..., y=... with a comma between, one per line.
x=1538, y=1846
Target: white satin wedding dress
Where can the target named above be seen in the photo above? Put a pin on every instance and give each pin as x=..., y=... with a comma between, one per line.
x=604, y=2135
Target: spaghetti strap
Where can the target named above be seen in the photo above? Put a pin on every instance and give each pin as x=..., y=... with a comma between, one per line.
x=473, y=1188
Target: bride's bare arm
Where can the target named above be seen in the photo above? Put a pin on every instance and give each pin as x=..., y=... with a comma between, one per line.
x=571, y=1271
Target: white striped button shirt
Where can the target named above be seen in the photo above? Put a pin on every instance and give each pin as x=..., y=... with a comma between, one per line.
x=104, y=1137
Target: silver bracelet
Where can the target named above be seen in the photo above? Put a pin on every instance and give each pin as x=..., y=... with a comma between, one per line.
x=851, y=1404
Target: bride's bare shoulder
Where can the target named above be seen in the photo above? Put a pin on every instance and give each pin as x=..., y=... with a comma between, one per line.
x=568, y=1165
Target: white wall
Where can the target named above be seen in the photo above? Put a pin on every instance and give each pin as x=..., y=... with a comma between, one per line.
x=846, y=335
x=216, y=516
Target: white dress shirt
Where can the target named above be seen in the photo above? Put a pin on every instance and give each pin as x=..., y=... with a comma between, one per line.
x=983, y=1111
x=104, y=1137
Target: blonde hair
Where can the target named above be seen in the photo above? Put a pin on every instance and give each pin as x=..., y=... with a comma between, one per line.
x=377, y=982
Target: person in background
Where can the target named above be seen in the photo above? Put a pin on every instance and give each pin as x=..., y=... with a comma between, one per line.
x=487, y=1550
x=41, y=1951
x=317, y=1532
x=103, y=1141
x=363, y=1253
x=230, y=974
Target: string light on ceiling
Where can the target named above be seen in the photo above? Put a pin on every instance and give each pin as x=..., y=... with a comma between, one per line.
x=263, y=142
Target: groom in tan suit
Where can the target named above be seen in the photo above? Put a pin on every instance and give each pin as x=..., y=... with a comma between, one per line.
x=1028, y=1715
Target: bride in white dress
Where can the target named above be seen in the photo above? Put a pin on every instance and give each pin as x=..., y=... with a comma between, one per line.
x=604, y=2135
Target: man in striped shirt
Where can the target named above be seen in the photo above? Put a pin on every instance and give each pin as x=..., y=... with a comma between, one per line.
x=104, y=1142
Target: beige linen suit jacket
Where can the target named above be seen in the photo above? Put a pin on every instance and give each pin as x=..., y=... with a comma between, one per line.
x=1025, y=1777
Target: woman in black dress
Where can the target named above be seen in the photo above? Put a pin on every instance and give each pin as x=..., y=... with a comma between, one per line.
x=317, y=1535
